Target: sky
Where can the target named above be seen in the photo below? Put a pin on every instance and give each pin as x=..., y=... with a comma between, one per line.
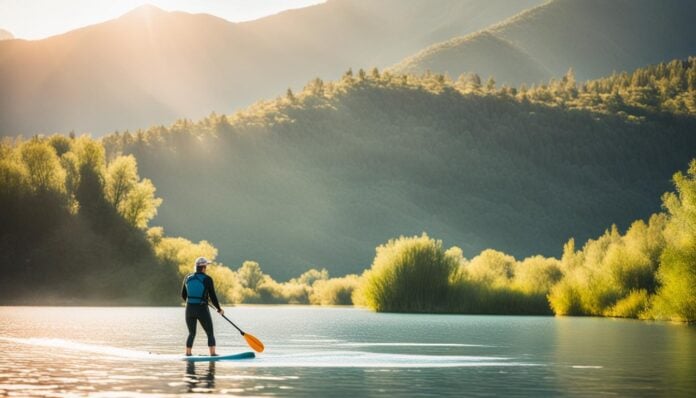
x=37, y=19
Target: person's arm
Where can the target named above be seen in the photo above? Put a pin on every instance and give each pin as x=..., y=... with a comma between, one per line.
x=184, y=293
x=211, y=293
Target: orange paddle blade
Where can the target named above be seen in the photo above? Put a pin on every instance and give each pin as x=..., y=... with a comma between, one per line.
x=253, y=342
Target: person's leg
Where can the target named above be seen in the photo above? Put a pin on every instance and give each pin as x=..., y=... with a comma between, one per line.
x=191, y=325
x=207, y=324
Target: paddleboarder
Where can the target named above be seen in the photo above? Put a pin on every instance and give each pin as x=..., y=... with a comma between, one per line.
x=197, y=289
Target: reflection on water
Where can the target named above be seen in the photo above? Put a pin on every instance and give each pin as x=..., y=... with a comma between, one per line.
x=203, y=382
x=341, y=352
x=644, y=357
x=682, y=369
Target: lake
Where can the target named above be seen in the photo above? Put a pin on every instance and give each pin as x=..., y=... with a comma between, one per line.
x=318, y=351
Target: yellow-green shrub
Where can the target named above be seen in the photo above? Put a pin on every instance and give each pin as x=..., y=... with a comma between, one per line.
x=334, y=291
x=632, y=306
x=409, y=274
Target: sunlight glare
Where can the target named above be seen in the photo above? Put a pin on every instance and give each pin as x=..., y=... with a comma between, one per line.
x=38, y=19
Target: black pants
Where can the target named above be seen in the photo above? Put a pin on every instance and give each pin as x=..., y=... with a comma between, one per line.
x=199, y=312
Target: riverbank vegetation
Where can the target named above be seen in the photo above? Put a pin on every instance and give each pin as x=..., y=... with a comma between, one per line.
x=79, y=225
x=648, y=273
x=74, y=230
x=75, y=225
x=72, y=226
x=518, y=169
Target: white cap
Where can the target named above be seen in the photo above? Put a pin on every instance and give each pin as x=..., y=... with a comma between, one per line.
x=200, y=262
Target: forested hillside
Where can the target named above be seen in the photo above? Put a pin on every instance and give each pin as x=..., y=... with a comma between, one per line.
x=76, y=213
x=150, y=66
x=74, y=230
x=72, y=227
x=594, y=37
x=320, y=178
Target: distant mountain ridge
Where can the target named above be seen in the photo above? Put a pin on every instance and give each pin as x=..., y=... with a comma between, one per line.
x=593, y=37
x=150, y=66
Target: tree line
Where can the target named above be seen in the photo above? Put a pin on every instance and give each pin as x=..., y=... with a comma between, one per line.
x=75, y=230
x=518, y=169
x=649, y=272
x=76, y=213
x=668, y=87
x=72, y=225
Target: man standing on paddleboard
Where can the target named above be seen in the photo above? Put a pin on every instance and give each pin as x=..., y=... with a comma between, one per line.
x=197, y=289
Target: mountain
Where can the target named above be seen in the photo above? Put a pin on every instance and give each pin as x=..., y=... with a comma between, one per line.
x=322, y=177
x=150, y=66
x=594, y=37
x=5, y=35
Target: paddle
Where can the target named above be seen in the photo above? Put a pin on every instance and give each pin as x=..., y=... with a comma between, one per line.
x=253, y=342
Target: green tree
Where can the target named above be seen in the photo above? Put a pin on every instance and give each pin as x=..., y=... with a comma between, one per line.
x=409, y=274
x=335, y=291
x=250, y=275
x=179, y=251
x=677, y=273
x=347, y=77
x=492, y=267
x=91, y=154
x=290, y=96
x=121, y=178
x=361, y=75
x=537, y=275
x=490, y=85
x=71, y=165
x=315, y=87
x=13, y=179
x=569, y=84
x=60, y=143
x=309, y=277
x=43, y=166
x=469, y=82
x=140, y=204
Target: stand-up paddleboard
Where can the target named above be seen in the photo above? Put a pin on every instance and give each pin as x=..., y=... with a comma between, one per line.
x=208, y=358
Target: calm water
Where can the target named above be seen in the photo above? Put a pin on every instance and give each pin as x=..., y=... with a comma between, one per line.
x=336, y=352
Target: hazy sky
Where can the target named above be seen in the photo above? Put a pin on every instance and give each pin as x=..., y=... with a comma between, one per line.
x=36, y=19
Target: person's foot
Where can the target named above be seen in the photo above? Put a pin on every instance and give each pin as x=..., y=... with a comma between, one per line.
x=214, y=355
x=188, y=354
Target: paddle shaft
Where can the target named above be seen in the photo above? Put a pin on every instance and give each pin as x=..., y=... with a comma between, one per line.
x=228, y=320
x=235, y=326
x=253, y=342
